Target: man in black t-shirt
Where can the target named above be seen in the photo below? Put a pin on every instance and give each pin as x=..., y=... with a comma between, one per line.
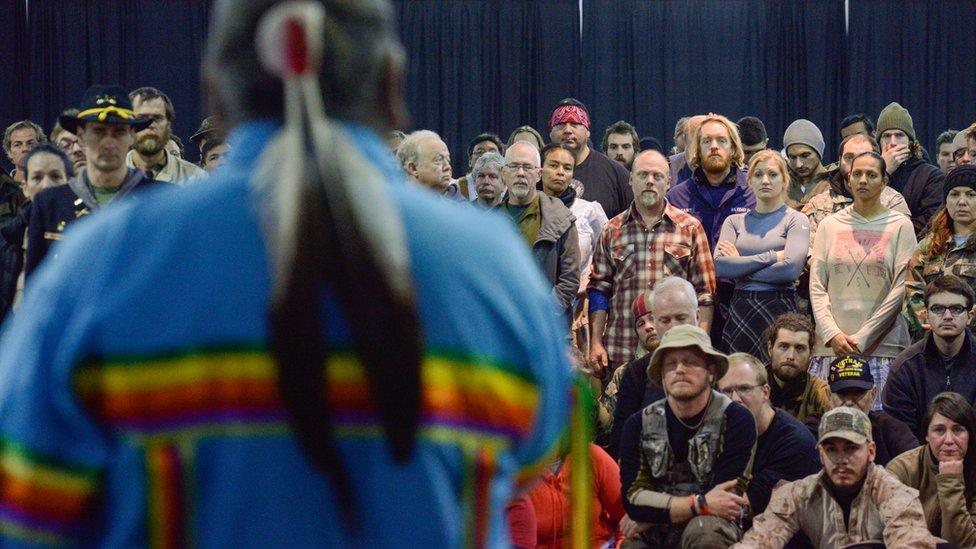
x=604, y=180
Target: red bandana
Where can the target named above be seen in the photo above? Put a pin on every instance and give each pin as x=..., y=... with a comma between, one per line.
x=640, y=306
x=570, y=114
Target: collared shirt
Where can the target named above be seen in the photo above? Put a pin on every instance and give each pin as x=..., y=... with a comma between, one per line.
x=175, y=170
x=631, y=257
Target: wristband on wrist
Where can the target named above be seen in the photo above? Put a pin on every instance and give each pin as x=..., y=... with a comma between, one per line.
x=691, y=504
x=702, y=505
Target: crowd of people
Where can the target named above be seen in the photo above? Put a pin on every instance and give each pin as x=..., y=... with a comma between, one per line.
x=833, y=303
x=782, y=348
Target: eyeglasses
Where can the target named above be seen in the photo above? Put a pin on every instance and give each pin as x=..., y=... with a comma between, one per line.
x=67, y=144
x=741, y=389
x=516, y=167
x=939, y=310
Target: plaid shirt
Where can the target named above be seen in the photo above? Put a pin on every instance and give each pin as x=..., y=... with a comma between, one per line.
x=630, y=257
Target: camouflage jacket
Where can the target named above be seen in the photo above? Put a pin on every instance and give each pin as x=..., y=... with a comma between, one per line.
x=885, y=510
x=923, y=268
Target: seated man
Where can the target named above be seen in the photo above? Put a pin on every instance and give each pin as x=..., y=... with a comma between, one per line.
x=675, y=302
x=852, y=500
x=851, y=384
x=687, y=456
x=785, y=449
x=941, y=361
x=789, y=340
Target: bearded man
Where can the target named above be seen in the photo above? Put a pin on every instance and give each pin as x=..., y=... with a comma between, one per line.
x=149, y=150
x=685, y=459
x=545, y=222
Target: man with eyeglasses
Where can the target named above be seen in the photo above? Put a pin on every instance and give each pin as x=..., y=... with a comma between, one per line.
x=853, y=500
x=545, y=222
x=941, y=361
x=685, y=460
x=852, y=384
x=69, y=142
x=785, y=449
x=149, y=150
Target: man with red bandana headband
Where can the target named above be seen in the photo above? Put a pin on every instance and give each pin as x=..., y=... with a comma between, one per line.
x=604, y=180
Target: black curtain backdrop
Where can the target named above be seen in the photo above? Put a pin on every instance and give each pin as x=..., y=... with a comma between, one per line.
x=652, y=62
x=13, y=66
x=487, y=65
x=133, y=43
x=918, y=53
x=492, y=65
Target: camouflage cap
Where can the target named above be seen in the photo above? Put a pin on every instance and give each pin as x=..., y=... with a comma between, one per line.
x=847, y=423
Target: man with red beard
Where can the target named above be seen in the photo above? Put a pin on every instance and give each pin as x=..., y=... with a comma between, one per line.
x=717, y=187
x=149, y=150
x=604, y=180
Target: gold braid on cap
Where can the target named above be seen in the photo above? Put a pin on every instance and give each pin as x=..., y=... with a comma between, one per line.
x=103, y=112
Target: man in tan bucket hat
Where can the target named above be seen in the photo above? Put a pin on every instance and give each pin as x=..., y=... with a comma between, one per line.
x=685, y=460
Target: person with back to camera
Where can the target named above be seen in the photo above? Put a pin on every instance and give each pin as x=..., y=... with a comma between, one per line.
x=317, y=379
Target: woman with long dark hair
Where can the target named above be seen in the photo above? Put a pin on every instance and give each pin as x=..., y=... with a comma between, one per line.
x=764, y=250
x=293, y=355
x=943, y=470
x=857, y=277
x=948, y=248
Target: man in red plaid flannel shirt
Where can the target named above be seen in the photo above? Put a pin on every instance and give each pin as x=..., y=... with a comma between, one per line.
x=643, y=244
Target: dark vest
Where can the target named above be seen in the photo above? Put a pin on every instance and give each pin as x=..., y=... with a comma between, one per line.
x=689, y=477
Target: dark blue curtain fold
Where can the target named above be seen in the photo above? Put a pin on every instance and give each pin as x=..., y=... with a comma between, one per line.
x=653, y=61
x=133, y=43
x=487, y=65
x=492, y=65
x=13, y=65
x=918, y=53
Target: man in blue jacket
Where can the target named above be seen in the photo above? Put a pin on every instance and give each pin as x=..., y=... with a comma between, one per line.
x=716, y=189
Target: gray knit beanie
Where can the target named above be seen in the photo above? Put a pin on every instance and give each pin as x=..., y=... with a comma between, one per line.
x=804, y=132
x=895, y=117
x=959, y=141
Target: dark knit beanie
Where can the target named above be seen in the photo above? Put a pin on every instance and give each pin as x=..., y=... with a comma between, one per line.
x=959, y=176
x=895, y=117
